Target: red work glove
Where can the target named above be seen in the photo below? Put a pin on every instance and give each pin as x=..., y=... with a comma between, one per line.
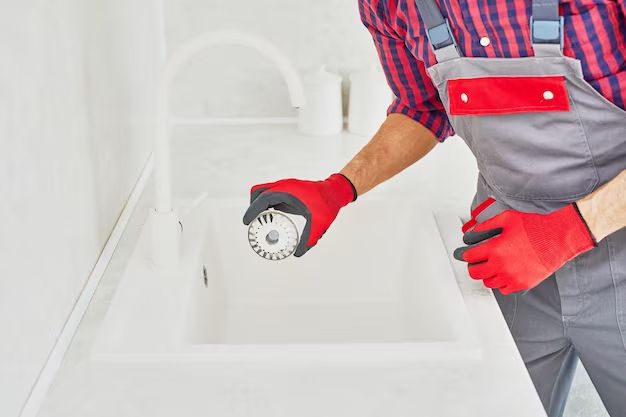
x=318, y=201
x=516, y=251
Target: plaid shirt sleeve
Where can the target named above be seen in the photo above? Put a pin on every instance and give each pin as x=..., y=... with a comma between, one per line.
x=415, y=94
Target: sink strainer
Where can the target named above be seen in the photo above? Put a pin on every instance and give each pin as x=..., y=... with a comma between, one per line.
x=273, y=235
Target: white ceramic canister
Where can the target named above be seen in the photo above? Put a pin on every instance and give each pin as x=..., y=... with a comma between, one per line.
x=370, y=96
x=323, y=113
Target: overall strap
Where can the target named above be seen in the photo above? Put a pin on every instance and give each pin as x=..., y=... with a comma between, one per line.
x=438, y=31
x=546, y=28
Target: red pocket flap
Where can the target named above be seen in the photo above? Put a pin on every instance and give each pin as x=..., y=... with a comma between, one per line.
x=506, y=95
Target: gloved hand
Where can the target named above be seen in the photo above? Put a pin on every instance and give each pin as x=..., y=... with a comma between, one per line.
x=515, y=251
x=318, y=201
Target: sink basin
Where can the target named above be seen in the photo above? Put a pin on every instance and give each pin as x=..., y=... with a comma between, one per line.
x=377, y=287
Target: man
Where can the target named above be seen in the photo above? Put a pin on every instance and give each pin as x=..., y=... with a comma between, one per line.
x=538, y=93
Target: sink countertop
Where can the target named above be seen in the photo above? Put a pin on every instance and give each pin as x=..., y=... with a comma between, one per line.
x=226, y=161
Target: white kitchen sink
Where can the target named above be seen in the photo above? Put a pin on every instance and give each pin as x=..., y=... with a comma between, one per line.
x=378, y=286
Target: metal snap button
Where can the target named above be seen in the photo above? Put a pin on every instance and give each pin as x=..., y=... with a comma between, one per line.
x=548, y=95
x=485, y=41
x=464, y=98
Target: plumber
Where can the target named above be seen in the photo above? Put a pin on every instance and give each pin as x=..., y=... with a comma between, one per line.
x=537, y=90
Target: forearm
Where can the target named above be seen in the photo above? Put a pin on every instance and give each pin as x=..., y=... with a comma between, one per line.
x=398, y=144
x=604, y=210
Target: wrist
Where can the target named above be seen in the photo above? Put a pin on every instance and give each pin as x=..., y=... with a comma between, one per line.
x=575, y=231
x=586, y=210
x=604, y=210
x=583, y=220
x=345, y=187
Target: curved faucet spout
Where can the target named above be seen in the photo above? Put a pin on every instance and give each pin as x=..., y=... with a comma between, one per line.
x=235, y=38
x=175, y=63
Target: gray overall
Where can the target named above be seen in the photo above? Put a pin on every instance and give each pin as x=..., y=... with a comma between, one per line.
x=539, y=162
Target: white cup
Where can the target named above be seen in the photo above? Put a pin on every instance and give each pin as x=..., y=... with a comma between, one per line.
x=322, y=114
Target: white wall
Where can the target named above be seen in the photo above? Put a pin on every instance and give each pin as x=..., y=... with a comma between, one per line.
x=235, y=81
x=75, y=94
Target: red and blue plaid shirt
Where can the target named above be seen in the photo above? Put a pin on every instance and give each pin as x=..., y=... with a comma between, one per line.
x=595, y=33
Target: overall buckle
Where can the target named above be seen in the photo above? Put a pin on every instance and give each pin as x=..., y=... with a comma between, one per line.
x=547, y=31
x=440, y=36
